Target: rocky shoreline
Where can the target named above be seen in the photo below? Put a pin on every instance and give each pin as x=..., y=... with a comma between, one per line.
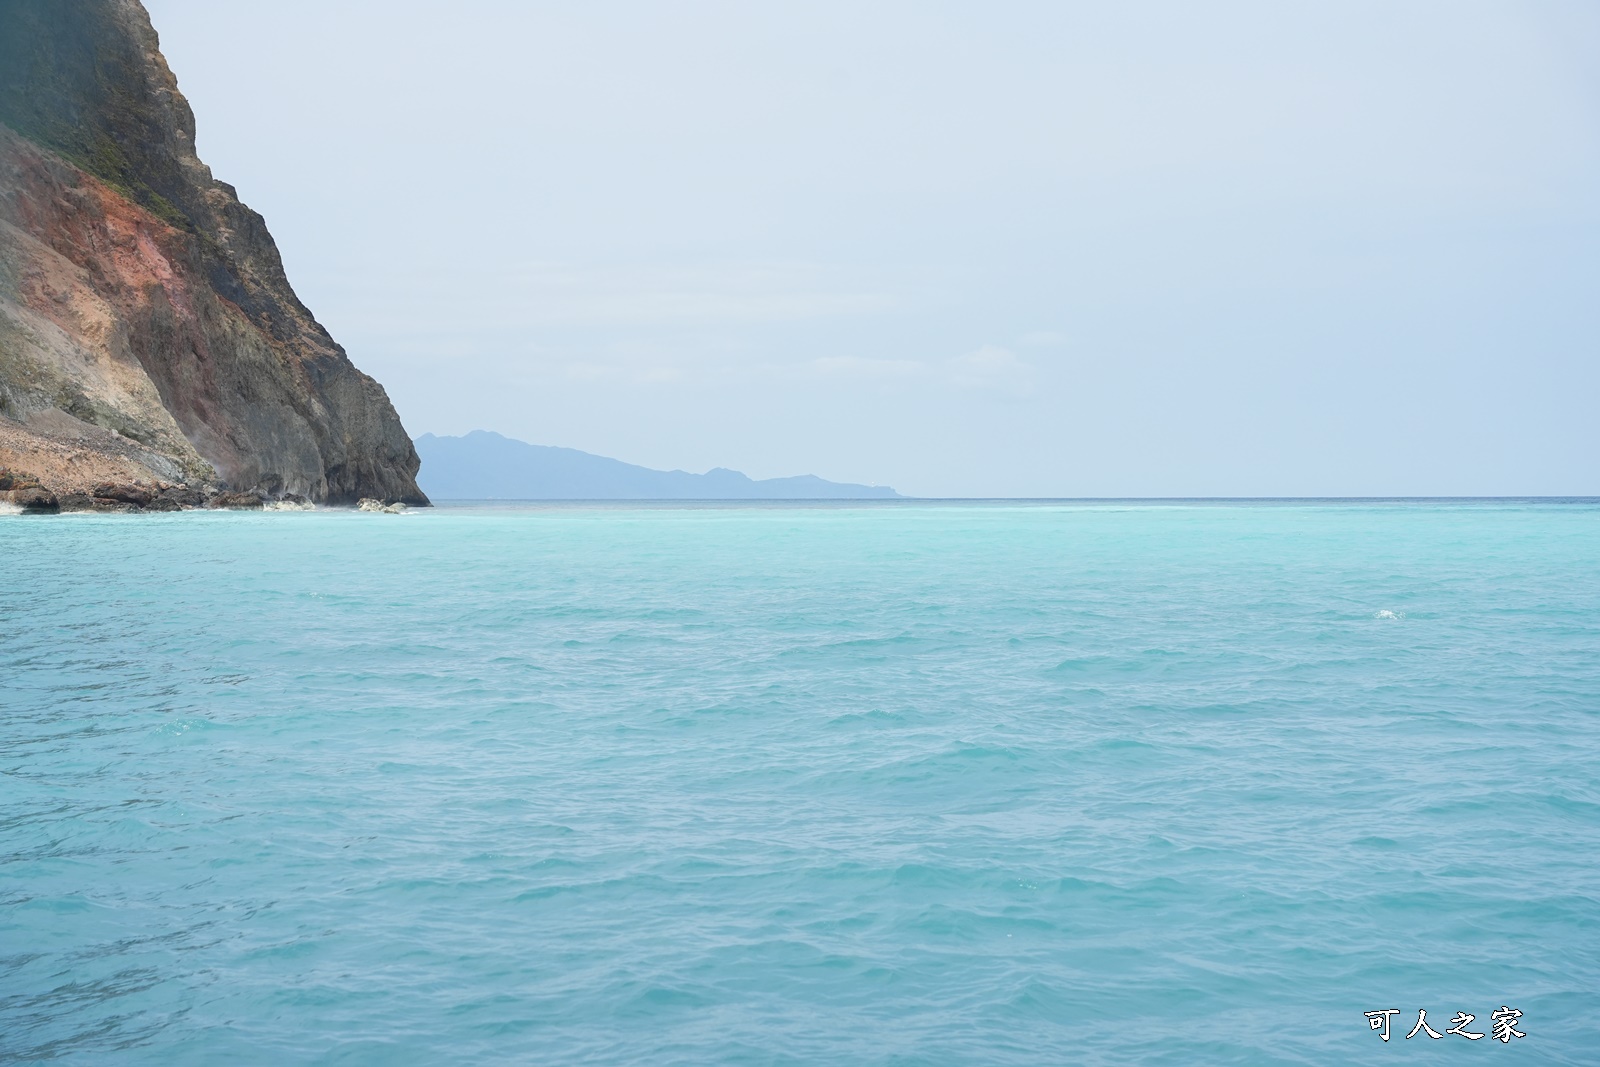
x=24, y=492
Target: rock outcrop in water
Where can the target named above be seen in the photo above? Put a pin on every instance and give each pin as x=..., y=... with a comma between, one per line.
x=148, y=334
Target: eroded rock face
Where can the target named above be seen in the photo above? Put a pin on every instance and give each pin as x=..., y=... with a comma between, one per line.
x=138, y=498
x=74, y=502
x=183, y=496
x=137, y=495
x=147, y=330
x=237, y=501
x=35, y=500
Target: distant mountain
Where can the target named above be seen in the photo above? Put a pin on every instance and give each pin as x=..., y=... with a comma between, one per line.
x=486, y=466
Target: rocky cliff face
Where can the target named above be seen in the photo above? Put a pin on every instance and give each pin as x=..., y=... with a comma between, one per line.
x=147, y=329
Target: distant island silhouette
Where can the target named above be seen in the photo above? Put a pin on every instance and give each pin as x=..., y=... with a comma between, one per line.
x=487, y=466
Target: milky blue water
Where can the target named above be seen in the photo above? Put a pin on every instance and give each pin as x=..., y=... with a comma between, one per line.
x=902, y=784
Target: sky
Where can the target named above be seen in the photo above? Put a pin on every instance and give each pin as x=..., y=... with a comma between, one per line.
x=1000, y=249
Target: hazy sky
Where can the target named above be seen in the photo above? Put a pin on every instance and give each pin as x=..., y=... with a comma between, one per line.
x=962, y=249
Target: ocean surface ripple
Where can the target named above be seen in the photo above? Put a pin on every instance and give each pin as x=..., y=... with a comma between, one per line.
x=896, y=784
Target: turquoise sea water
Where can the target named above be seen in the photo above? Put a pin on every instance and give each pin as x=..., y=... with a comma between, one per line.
x=899, y=784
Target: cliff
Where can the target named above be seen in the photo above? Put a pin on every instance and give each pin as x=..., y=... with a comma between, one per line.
x=147, y=330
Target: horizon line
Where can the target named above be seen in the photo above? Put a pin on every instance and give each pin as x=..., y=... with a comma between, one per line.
x=902, y=499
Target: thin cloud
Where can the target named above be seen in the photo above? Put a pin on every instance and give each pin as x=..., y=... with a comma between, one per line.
x=870, y=369
x=992, y=369
x=1043, y=339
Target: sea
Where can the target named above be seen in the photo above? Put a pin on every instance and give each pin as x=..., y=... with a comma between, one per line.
x=986, y=783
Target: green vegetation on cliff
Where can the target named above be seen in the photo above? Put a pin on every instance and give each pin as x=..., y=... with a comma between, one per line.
x=67, y=73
